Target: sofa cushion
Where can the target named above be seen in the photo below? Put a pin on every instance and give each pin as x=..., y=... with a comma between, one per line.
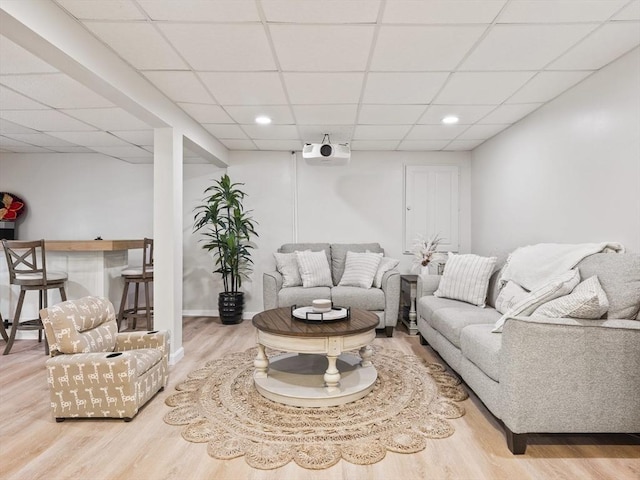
x=619, y=275
x=339, y=256
x=144, y=358
x=466, y=278
x=360, y=269
x=365, y=298
x=587, y=300
x=450, y=321
x=301, y=296
x=314, y=269
x=300, y=247
x=427, y=305
x=480, y=346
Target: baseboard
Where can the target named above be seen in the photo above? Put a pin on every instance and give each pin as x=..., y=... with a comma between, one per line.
x=176, y=356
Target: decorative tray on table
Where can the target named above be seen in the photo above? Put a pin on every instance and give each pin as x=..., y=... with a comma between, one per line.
x=309, y=314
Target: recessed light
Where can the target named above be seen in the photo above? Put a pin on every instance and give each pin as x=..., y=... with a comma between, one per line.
x=263, y=120
x=450, y=120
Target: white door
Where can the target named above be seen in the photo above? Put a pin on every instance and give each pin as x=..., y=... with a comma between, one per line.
x=431, y=205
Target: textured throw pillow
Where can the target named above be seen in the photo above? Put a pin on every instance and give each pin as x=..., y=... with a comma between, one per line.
x=510, y=294
x=558, y=287
x=386, y=264
x=360, y=269
x=587, y=300
x=466, y=278
x=314, y=269
x=287, y=265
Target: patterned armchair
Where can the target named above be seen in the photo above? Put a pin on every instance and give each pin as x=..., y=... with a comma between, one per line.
x=96, y=371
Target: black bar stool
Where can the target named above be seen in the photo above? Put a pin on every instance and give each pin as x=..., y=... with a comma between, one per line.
x=137, y=276
x=28, y=269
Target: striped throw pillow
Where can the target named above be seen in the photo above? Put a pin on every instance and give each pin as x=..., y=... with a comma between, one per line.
x=314, y=269
x=466, y=278
x=360, y=269
x=588, y=300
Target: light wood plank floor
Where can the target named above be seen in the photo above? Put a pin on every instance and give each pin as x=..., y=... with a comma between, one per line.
x=33, y=446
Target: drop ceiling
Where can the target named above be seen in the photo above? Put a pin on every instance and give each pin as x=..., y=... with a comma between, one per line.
x=379, y=74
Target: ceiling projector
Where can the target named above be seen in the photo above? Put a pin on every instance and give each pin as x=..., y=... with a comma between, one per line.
x=326, y=153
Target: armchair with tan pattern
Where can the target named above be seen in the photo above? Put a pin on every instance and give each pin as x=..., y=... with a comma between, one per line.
x=94, y=371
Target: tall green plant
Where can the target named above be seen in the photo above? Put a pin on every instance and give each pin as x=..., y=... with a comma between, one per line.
x=228, y=229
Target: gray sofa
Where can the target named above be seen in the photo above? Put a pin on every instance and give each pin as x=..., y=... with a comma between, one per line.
x=546, y=375
x=383, y=301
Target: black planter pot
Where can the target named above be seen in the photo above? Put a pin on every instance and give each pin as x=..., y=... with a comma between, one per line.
x=230, y=306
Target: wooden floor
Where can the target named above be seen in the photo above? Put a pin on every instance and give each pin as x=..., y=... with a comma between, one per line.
x=33, y=446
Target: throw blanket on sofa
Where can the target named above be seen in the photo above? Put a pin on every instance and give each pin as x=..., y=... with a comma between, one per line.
x=534, y=265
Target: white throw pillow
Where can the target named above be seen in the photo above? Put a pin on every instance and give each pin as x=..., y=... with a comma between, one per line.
x=588, y=300
x=561, y=285
x=466, y=278
x=287, y=265
x=386, y=264
x=360, y=269
x=510, y=294
x=314, y=269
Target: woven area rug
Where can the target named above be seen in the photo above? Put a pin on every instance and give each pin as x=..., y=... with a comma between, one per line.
x=411, y=402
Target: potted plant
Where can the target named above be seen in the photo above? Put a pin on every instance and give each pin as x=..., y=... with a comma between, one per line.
x=228, y=229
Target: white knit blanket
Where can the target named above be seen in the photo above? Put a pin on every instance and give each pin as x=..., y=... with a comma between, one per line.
x=535, y=265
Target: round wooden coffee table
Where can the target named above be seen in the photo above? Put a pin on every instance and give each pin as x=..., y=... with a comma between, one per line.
x=302, y=377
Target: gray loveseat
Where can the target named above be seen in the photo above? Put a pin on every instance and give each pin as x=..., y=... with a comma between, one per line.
x=383, y=301
x=546, y=375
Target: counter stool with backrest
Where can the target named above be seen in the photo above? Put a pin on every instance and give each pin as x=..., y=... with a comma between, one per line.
x=138, y=275
x=28, y=269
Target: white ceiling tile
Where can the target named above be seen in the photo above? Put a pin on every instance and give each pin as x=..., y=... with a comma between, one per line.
x=230, y=131
x=510, y=113
x=10, y=127
x=137, y=137
x=325, y=11
x=320, y=114
x=138, y=43
x=481, y=132
x=380, y=132
x=435, y=132
x=467, y=114
x=441, y=11
x=16, y=59
x=201, y=10
x=546, y=86
x=322, y=47
x=323, y=88
x=56, y=90
x=421, y=145
x=559, y=11
x=26, y=149
x=237, y=47
x=206, y=113
x=602, y=47
x=233, y=144
x=245, y=114
x=374, y=145
x=279, y=144
x=413, y=48
x=12, y=142
x=463, y=144
x=71, y=149
x=271, y=132
x=630, y=12
x=390, y=114
x=180, y=86
x=315, y=133
x=523, y=47
x=108, y=118
x=102, y=9
x=246, y=88
x=130, y=151
x=403, y=88
x=90, y=139
x=10, y=100
x=46, y=120
x=40, y=139
x=478, y=88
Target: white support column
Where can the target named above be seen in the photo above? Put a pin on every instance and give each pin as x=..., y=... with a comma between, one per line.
x=167, y=236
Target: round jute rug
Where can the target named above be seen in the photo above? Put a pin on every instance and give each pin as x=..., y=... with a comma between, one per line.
x=411, y=402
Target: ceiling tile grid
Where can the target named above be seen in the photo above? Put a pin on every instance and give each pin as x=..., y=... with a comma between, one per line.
x=378, y=74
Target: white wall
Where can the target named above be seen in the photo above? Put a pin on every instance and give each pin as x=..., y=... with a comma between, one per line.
x=568, y=173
